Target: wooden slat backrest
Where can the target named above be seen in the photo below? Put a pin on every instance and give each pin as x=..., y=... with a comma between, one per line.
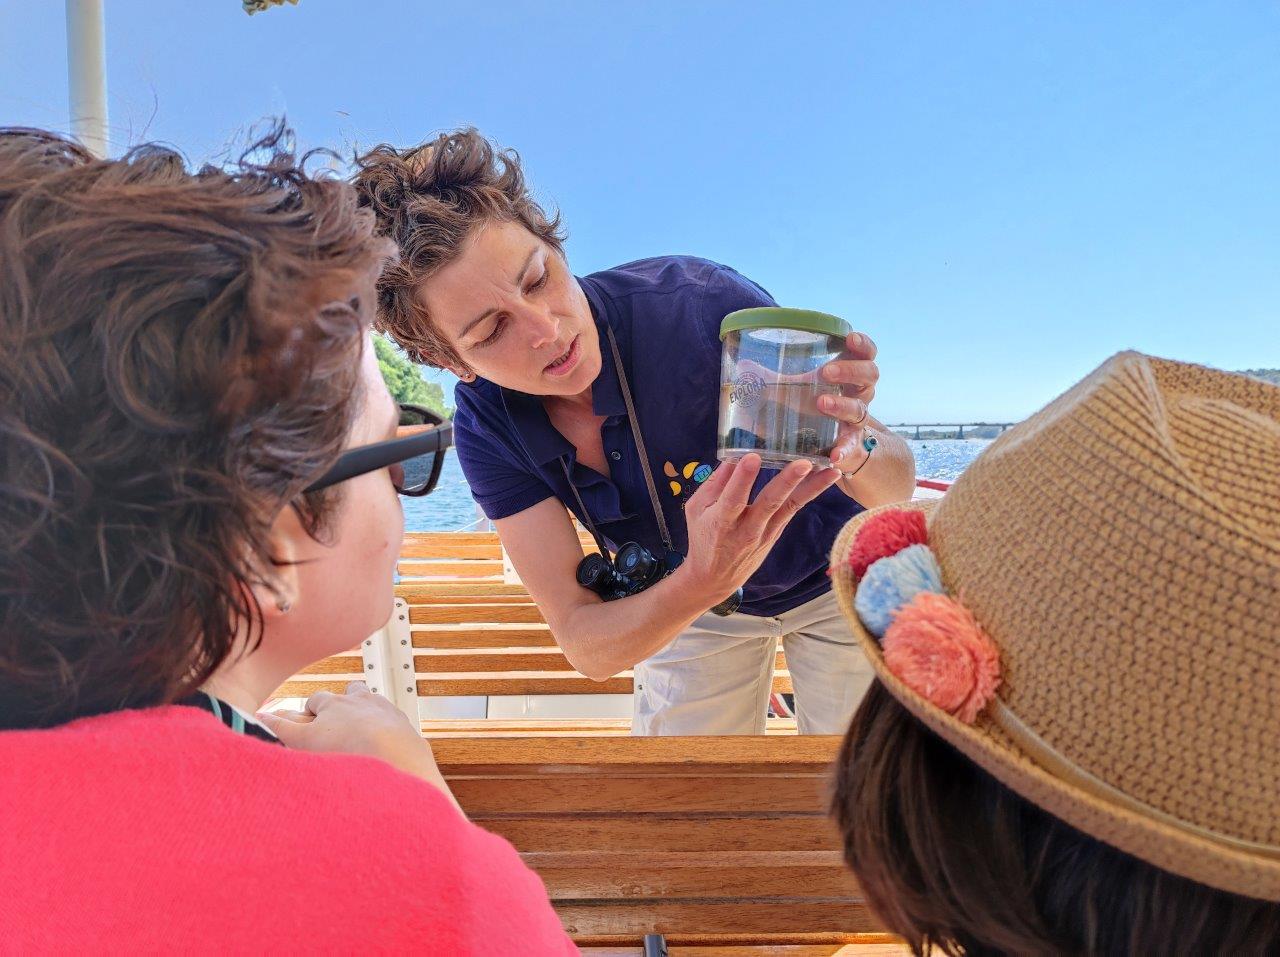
x=477, y=683
x=473, y=636
x=453, y=613
x=477, y=637
x=429, y=601
x=425, y=546
x=539, y=683
x=417, y=592
x=467, y=568
x=499, y=669
x=490, y=639
x=550, y=728
x=334, y=674
x=667, y=835
x=434, y=545
x=506, y=659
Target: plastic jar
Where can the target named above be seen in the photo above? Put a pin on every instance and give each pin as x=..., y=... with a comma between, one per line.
x=770, y=384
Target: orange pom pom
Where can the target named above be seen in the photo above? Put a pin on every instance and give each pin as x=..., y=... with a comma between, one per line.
x=886, y=534
x=938, y=649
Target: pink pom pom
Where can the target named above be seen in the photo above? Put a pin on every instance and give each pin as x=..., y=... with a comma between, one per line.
x=938, y=649
x=886, y=534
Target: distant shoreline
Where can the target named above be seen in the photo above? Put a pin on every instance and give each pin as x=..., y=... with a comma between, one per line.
x=948, y=435
x=983, y=431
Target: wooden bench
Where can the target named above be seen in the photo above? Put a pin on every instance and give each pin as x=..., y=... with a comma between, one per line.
x=722, y=841
x=722, y=844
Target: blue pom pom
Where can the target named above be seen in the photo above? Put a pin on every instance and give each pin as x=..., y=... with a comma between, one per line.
x=892, y=582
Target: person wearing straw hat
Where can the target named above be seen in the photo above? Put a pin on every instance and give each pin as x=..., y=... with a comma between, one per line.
x=1070, y=746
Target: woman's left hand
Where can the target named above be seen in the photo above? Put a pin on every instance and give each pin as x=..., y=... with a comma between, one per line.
x=856, y=373
x=358, y=722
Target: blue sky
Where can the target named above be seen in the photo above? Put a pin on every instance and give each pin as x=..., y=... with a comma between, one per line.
x=1002, y=194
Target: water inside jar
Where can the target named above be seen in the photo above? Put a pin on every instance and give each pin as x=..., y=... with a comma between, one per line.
x=769, y=393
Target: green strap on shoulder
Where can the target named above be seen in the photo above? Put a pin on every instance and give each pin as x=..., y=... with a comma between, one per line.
x=237, y=722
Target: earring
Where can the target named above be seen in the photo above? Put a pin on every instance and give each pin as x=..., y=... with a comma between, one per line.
x=284, y=605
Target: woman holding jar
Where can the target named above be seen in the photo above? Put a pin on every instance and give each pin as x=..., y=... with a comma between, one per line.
x=600, y=393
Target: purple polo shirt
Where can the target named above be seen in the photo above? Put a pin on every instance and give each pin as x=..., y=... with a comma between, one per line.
x=665, y=313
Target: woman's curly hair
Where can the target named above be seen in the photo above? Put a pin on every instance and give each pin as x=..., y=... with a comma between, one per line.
x=179, y=360
x=429, y=199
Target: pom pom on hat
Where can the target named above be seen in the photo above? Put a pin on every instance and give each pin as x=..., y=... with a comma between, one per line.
x=937, y=648
x=886, y=534
x=892, y=582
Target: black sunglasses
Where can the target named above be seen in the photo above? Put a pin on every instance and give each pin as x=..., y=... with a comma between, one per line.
x=415, y=457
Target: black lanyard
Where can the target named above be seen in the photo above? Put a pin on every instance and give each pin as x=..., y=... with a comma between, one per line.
x=636, y=435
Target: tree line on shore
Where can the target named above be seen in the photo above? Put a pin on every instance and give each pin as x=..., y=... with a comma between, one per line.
x=405, y=381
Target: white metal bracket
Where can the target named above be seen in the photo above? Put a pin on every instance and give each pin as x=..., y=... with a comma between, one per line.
x=374, y=653
x=388, y=662
x=509, y=574
x=404, y=676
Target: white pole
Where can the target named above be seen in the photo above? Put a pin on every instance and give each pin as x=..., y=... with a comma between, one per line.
x=87, y=73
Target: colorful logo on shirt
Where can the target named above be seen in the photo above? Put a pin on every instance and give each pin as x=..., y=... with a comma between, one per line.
x=693, y=471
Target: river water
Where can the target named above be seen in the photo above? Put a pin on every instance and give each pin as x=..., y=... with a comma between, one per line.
x=450, y=506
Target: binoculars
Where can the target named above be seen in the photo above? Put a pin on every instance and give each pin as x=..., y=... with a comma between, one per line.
x=634, y=569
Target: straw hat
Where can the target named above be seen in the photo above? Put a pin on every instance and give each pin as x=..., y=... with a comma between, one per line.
x=1110, y=646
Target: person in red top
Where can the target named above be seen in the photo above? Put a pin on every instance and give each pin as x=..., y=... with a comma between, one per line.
x=199, y=467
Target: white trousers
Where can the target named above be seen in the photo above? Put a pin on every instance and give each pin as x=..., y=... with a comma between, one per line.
x=716, y=676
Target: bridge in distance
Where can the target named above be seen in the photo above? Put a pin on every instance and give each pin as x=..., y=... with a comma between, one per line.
x=949, y=430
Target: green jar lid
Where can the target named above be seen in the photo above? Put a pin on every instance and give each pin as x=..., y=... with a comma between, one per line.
x=779, y=317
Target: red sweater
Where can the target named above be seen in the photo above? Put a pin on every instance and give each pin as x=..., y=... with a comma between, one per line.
x=162, y=830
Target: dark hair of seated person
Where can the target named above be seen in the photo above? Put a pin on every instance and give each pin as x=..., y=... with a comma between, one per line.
x=178, y=361
x=951, y=859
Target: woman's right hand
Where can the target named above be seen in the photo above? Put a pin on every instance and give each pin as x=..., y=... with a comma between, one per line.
x=729, y=535
x=358, y=722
